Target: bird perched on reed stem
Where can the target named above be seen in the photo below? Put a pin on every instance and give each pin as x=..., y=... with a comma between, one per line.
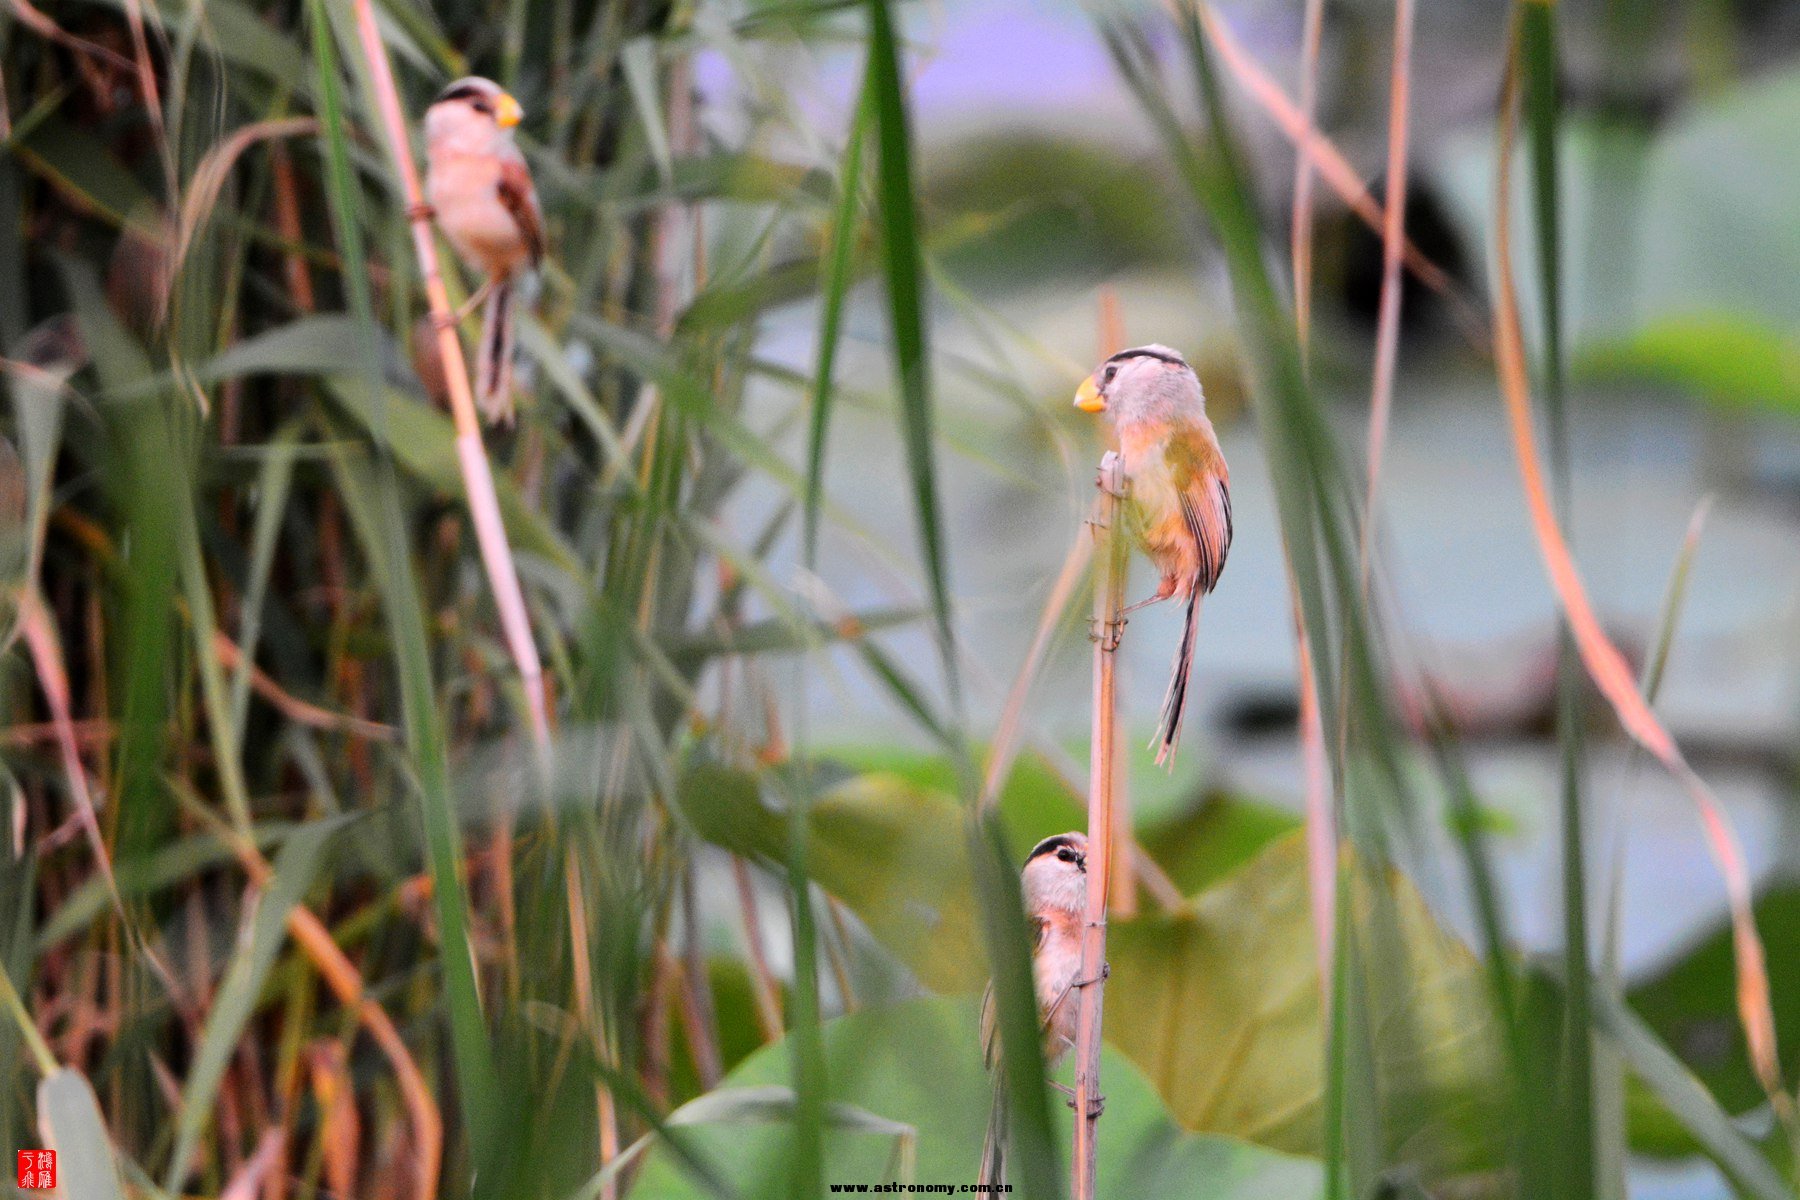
x=1178, y=496
x=480, y=190
x=1055, y=883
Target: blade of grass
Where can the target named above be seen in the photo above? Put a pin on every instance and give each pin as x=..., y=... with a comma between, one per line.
x=272, y=488
x=1533, y=73
x=835, y=267
x=227, y=757
x=1321, y=820
x=28, y=1030
x=150, y=456
x=906, y=315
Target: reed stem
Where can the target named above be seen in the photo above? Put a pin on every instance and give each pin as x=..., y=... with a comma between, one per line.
x=1103, y=780
x=471, y=454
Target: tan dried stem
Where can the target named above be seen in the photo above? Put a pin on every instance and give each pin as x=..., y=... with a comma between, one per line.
x=1103, y=779
x=1123, y=893
x=478, y=477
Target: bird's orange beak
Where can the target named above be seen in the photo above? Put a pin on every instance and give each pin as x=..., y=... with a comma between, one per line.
x=507, y=112
x=1088, y=398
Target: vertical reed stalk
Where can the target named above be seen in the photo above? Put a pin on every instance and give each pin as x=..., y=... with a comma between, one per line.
x=1121, y=865
x=1103, y=778
x=478, y=476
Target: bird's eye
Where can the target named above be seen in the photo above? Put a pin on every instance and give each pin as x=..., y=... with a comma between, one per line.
x=1066, y=854
x=482, y=107
x=1110, y=372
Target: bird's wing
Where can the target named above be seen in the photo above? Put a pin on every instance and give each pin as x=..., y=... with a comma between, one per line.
x=1202, y=482
x=520, y=199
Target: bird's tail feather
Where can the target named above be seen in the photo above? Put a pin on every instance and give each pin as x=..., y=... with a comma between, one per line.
x=1175, y=700
x=993, y=1150
x=493, y=362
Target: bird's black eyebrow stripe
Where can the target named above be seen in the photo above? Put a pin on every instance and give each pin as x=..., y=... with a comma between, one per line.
x=1050, y=844
x=1173, y=359
x=465, y=91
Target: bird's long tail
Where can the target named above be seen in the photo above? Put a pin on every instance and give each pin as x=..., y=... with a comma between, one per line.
x=1175, y=700
x=993, y=1150
x=493, y=362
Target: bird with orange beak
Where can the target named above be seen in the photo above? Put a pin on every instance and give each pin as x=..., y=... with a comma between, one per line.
x=480, y=190
x=1178, y=497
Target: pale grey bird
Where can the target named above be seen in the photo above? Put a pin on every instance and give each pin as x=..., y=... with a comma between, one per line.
x=1178, y=497
x=1055, y=884
x=480, y=190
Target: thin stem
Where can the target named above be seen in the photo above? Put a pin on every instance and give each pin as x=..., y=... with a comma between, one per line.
x=478, y=476
x=1109, y=598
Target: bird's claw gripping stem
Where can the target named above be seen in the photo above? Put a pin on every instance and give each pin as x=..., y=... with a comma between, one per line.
x=1096, y=1103
x=1109, y=470
x=1102, y=977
